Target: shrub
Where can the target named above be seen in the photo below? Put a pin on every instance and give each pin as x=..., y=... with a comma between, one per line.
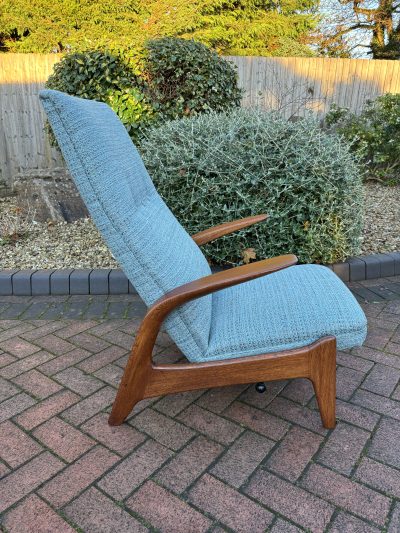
x=374, y=134
x=170, y=78
x=186, y=78
x=219, y=167
x=107, y=78
x=92, y=75
x=134, y=111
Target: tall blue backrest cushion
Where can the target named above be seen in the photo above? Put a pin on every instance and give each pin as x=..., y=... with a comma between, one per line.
x=148, y=242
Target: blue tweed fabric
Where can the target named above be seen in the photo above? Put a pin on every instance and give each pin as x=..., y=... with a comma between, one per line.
x=145, y=238
x=288, y=309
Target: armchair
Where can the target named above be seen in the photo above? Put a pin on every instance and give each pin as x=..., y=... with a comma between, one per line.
x=263, y=321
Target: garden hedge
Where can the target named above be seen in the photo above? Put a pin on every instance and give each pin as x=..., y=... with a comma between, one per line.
x=169, y=78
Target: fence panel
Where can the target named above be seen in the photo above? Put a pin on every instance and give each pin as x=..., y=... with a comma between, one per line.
x=291, y=85
x=23, y=144
x=294, y=85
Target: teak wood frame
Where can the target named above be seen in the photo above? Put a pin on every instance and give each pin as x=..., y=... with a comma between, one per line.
x=144, y=379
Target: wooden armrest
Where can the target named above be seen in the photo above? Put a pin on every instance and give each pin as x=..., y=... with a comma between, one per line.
x=211, y=234
x=215, y=282
x=140, y=366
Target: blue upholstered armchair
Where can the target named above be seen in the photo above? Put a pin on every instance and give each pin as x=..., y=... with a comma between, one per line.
x=259, y=322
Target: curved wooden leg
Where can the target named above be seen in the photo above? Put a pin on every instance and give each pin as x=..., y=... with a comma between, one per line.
x=125, y=401
x=136, y=375
x=323, y=377
x=131, y=389
x=142, y=379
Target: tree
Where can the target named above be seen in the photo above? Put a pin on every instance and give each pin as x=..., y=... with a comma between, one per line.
x=57, y=26
x=359, y=27
x=242, y=27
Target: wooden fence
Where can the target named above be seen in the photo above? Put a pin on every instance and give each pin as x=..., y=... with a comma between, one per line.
x=23, y=143
x=291, y=85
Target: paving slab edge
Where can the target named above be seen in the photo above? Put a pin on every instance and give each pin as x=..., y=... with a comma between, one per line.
x=44, y=282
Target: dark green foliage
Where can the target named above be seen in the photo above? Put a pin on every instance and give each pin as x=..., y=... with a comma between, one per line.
x=186, y=78
x=133, y=109
x=107, y=78
x=374, y=134
x=91, y=75
x=219, y=167
x=240, y=27
x=170, y=78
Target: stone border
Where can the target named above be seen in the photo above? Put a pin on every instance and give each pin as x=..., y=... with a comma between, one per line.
x=112, y=281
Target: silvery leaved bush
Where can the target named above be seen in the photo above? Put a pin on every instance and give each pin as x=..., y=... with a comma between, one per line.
x=218, y=167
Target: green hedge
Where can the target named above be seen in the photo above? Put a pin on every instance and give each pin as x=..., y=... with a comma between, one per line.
x=219, y=167
x=168, y=79
x=185, y=78
x=374, y=134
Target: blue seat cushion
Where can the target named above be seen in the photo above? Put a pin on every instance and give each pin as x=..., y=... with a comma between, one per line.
x=284, y=310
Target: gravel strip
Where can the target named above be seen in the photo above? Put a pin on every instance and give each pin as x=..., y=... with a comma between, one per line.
x=79, y=245
x=382, y=219
x=60, y=245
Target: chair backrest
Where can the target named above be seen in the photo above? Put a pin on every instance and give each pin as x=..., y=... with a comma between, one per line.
x=153, y=249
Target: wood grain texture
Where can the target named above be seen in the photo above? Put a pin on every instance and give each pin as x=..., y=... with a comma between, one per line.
x=142, y=379
x=294, y=85
x=208, y=235
x=24, y=146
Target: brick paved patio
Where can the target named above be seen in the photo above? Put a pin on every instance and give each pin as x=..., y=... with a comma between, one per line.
x=222, y=460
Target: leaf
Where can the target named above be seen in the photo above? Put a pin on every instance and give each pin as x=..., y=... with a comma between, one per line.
x=248, y=254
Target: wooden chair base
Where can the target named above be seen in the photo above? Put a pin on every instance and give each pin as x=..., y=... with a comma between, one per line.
x=317, y=362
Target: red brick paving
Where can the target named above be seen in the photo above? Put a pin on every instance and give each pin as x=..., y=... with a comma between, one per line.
x=214, y=426
x=394, y=524
x=350, y=524
x=380, y=476
x=135, y=469
x=19, y=347
x=78, y=381
x=229, y=506
x=45, y=410
x=78, y=476
x=242, y=458
x=35, y=516
x=188, y=465
x=23, y=365
x=121, y=440
x=348, y=494
x=163, y=429
x=37, y=384
x=214, y=461
x=15, y=405
x=62, y=439
x=6, y=359
x=289, y=459
x=343, y=448
x=16, y=446
x=257, y=420
x=7, y=389
x=165, y=511
x=27, y=478
x=290, y=500
x=94, y=512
